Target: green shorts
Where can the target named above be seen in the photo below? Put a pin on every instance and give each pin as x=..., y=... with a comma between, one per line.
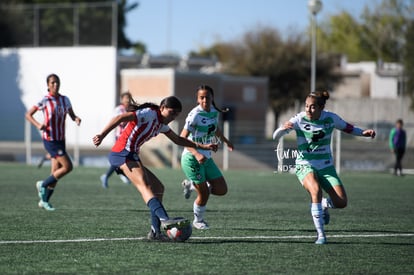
x=197, y=172
x=327, y=177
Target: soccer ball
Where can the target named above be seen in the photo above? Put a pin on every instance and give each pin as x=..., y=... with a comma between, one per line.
x=180, y=234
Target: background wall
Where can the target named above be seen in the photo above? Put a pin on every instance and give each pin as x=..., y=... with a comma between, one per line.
x=88, y=78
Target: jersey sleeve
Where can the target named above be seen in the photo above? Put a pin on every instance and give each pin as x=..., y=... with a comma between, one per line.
x=165, y=129
x=68, y=104
x=391, y=139
x=295, y=120
x=344, y=126
x=189, y=122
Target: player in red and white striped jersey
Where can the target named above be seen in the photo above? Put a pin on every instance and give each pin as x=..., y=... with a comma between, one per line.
x=146, y=122
x=126, y=100
x=55, y=107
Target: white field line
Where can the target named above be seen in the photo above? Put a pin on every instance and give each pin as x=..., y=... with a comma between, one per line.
x=214, y=238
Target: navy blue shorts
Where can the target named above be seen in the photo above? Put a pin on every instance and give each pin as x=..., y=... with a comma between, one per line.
x=116, y=159
x=55, y=148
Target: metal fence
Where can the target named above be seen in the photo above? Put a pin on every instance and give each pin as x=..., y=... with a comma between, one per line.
x=65, y=24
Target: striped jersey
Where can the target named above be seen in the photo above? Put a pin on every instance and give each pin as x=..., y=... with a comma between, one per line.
x=54, y=110
x=147, y=124
x=119, y=110
x=202, y=126
x=314, y=137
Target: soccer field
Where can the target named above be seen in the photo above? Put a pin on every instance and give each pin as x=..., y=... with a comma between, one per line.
x=262, y=226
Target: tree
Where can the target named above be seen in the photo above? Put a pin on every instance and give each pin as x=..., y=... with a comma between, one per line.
x=286, y=62
x=409, y=63
x=379, y=33
x=57, y=27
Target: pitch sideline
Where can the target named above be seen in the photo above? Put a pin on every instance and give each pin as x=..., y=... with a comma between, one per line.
x=213, y=238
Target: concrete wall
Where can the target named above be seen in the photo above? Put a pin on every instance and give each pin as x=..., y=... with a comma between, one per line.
x=88, y=78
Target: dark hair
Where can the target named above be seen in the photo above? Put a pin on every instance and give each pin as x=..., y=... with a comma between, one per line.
x=172, y=102
x=50, y=76
x=321, y=97
x=210, y=90
x=169, y=102
x=128, y=94
x=400, y=121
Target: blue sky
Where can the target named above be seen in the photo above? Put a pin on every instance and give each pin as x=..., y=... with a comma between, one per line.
x=179, y=26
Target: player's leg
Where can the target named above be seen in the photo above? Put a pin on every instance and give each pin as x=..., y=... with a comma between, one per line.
x=195, y=172
x=332, y=184
x=398, y=164
x=310, y=182
x=199, y=206
x=137, y=173
x=104, y=178
x=218, y=185
x=156, y=185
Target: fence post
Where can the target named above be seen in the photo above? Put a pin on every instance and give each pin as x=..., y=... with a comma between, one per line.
x=226, y=132
x=27, y=141
x=338, y=152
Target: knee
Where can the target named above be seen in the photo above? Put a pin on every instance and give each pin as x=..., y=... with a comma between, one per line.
x=67, y=168
x=219, y=191
x=341, y=203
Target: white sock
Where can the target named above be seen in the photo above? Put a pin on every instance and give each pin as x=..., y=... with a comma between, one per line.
x=198, y=212
x=317, y=215
x=327, y=203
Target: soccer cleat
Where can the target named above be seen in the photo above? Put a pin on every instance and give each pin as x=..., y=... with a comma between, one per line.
x=187, y=188
x=40, y=190
x=45, y=205
x=124, y=179
x=176, y=222
x=326, y=216
x=157, y=236
x=104, y=181
x=321, y=240
x=202, y=225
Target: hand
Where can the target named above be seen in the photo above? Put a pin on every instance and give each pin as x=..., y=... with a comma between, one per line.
x=288, y=125
x=97, y=140
x=230, y=146
x=200, y=158
x=369, y=133
x=78, y=121
x=211, y=146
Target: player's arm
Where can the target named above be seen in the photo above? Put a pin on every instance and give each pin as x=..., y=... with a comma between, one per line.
x=74, y=117
x=29, y=116
x=284, y=129
x=199, y=157
x=179, y=140
x=115, y=121
x=220, y=135
x=351, y=129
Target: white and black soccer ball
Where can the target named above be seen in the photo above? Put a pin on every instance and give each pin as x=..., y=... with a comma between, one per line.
x=180, y=234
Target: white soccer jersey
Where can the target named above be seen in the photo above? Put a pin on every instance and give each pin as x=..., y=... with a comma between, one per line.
x=147, y=124
x=202, y=126
x=314, y=137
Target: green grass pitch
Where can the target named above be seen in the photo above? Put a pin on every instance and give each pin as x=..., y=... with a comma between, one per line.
x=262, y=226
